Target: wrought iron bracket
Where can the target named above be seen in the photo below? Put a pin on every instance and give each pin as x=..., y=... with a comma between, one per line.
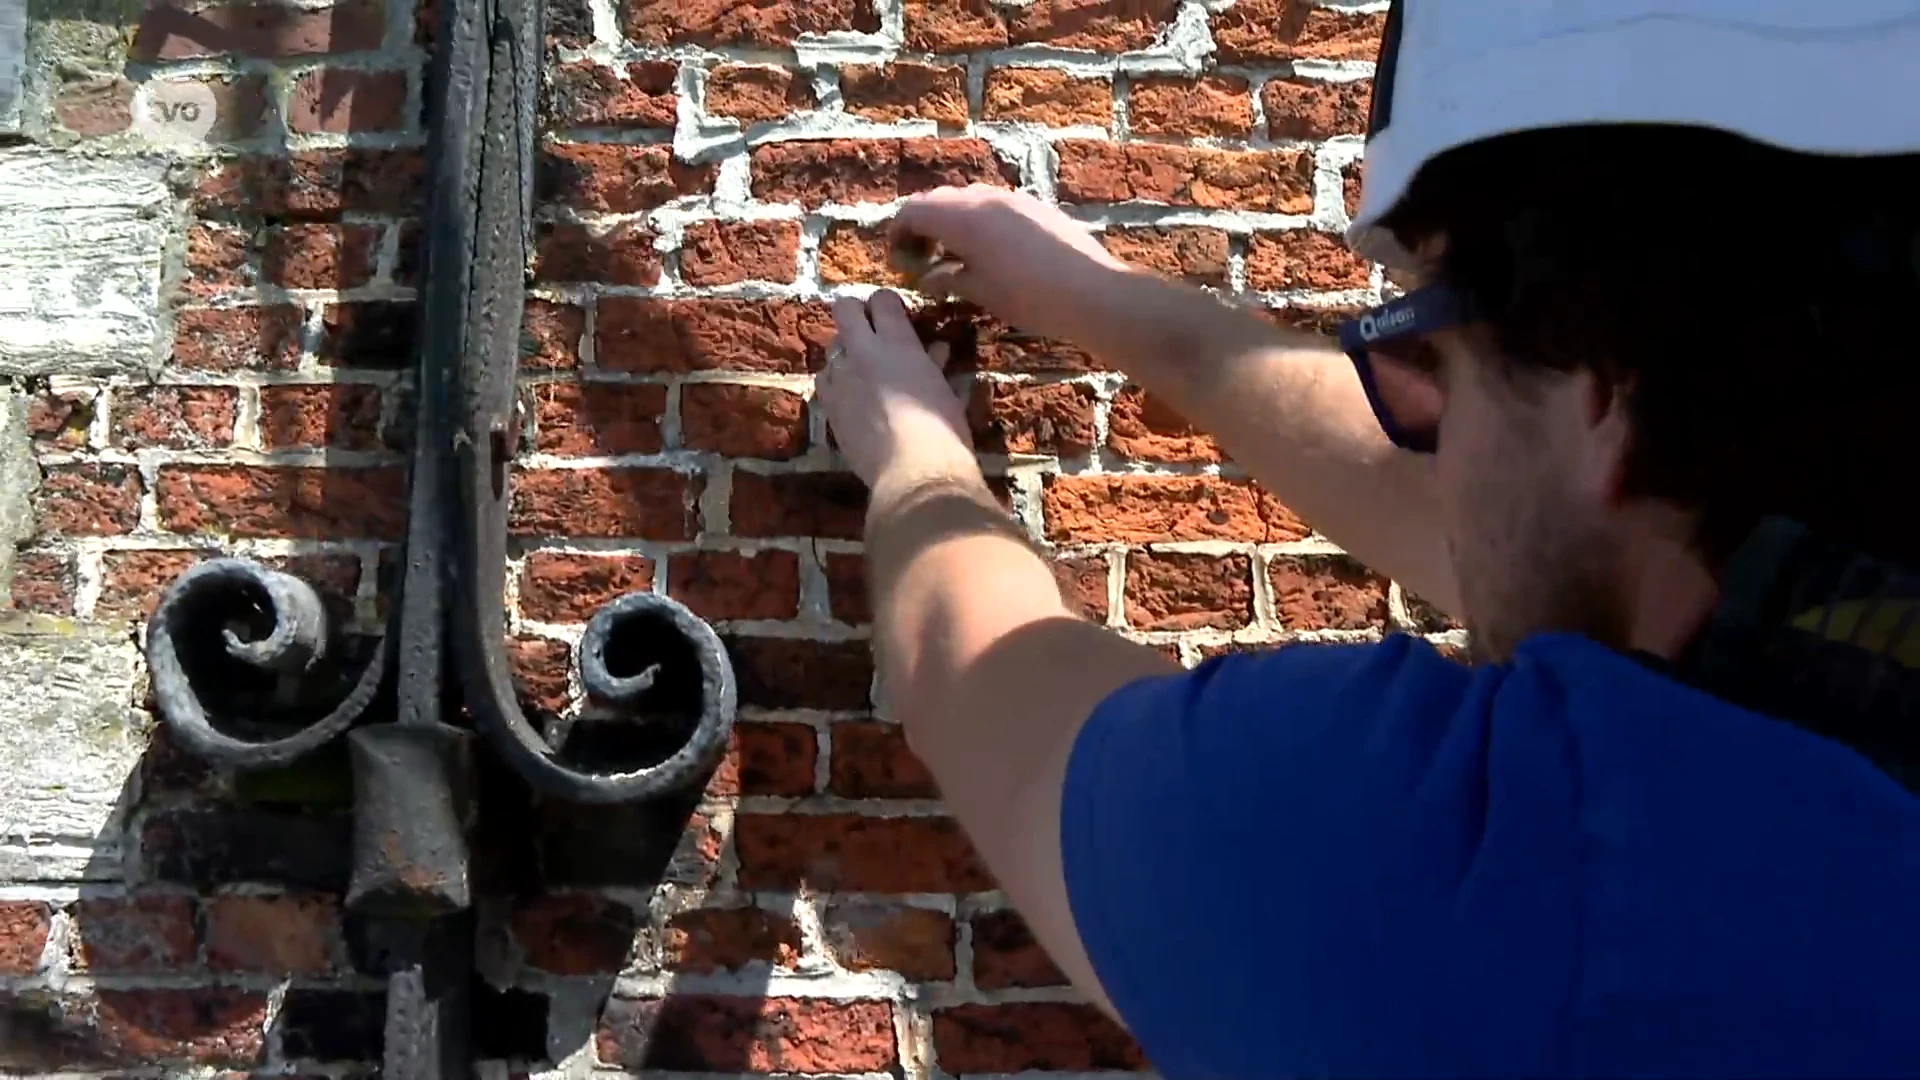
x=658, y=674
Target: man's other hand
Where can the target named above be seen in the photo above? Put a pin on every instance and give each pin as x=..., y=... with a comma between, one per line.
x=886, y=397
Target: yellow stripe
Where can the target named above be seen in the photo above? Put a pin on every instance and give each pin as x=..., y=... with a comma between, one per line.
x=1881, y=618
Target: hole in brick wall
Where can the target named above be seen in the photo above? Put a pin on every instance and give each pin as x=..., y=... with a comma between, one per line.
x=509, y=1025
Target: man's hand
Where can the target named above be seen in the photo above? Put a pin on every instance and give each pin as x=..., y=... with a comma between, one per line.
x=886, y=399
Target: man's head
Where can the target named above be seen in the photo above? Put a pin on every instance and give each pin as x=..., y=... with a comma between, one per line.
x=1662, y=335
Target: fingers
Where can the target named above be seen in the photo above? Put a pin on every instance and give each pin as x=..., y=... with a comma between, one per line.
x=851, y=320
x=892, y=323
x=948, y=279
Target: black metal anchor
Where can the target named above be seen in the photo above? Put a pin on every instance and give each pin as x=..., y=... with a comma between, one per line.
x=661, y=669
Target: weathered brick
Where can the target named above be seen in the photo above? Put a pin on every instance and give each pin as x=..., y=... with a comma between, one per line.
x=703, y=1033
x=906, y=91
x=828, y=505
x=1045, y=418
x=640, y=503
x=1146, y=509
x=320, y=256
x=87, y=499
x=95, y=107
x=1031, y=1036
x=592, y=419
x=1047, y=96
x=674, y=336
x=814, y=173
x=854, y=853
x=259, y=844
x=1304, y=259
x=318, y=183
x=239, y=105
x=856, y=253
x=268, y=31
x=61, y=421
x=586, y=94
x=847, y=589
x=728, y=252
x=539, y=668
x=1266, y=31
x=1323, y=319
x=24, y=925
x=343, y=101
x=621, y=254
x=1271, y=181
x=562, y=587
x=344, y=416
x=1099, y=25
x=201, y=1026
x=1144, y=427
x=174, y=417
x=767, y=758
x=743, y=421
x=43, y=582
x=1193, y=252
x=1214, y=106
x=1326, y=592
x=1083, y=584
x=335, y=502
x=569, y=23
x=238, y=339
x=575, y=933
x=217, y=261
x=616, y=178
x=1169, y=591
x=953, y=25
x=756, y=93
x=1006, y=954
x=141, y=933
x=131, y=581
x=732, y=585
x=871, y=760
x=550, y=335
x=276, y=935
x=1299, y=108
x=731, y=22
x=706, y=940
x=796, y=673
x=872, y=935
x=378, y=334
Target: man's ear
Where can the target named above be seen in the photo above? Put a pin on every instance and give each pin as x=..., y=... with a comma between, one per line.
x=1607, y=434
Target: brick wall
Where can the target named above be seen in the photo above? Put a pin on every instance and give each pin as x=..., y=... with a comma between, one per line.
x=713, y=170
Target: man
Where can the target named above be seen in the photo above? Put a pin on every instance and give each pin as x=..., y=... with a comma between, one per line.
x=1642, y=422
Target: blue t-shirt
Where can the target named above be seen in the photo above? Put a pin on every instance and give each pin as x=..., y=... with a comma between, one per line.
x=1365, y=860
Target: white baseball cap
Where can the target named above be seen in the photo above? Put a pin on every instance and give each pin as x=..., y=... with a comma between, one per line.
x=1820, y=76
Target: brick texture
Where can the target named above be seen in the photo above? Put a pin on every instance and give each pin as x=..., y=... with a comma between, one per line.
x=677, y=310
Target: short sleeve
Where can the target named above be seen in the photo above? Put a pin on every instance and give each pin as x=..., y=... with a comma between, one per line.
x=1283, y=863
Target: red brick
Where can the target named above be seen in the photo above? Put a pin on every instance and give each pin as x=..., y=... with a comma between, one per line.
x=852, y=853
x=707, y=940
x=1216, y=106
x=569, y=23
x=906, y=91
x=1304, y=259
x=575, y=933
x=728, y=252
x=1005, y=954
x=24, y=925
x=1350, y=188
x=87, y=500
x=847, y=589
x=313, y=256
x=1100, y=25
x=1166, y=591
x=871, y=760
x=870, y=935
x=1047, y=418
x=335, y=502
x=202, y=1025
x=174, y=417
x=217, y=261
x=1047, y=96
x=1271, y=181
x=636, y=503
x=277, y=935
x=1144, y=427
x=1146, y=509
x=1257, y=31
x=550, y=336
x=238, y=339
x=132, y=581
x=344, y=101
x=856, y=253
x=953, y=25
x=731, y=585
x=996, y=348
x=61, y=421
x=1315, y=109
x=616, y=178
x=1030, y=1037
x=344, y=416
x=318, y=183
x=1083, y=584
x=269, y=31
x=370, y=334
x=676, y=336
x=587, y=94
x=871, y=170
x=832, y=506
x=43, y=582
x=731, y=22
x=133, y=934
x=1310, y=319
x=743, y=421
x=756, y=93
x=1193, y=252
x=703, y=1033
x=95, y=107
x=591, y=419
x=560, y=587
x=796, y=673
x=1326, y=592
x=539, y=666
x=765, y=758
x=239, y=105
